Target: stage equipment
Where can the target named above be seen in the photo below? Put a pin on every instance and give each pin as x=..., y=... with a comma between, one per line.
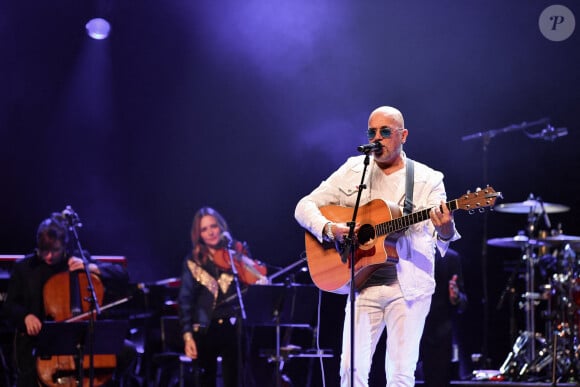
x=98, y=28
x=535, y=206
x=518, y=241
x=559, y=239
x=553, y=356
x=284, y=305
x=485, y=137
x=61, y=338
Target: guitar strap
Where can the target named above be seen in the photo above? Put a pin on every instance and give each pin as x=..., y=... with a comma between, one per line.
x=408, y=208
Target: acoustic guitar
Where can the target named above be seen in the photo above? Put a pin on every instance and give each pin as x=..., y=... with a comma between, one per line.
x=380, y=225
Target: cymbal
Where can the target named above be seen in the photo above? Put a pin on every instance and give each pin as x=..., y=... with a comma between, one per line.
x=531, y=205
x=560, y=238
x=518, y=241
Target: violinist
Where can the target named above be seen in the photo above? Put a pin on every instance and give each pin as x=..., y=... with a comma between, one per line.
x=24, y=305
x=208, y=306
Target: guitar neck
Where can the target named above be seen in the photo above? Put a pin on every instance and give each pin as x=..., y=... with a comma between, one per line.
x=398, y=224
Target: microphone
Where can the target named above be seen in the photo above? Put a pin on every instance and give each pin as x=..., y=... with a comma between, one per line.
x=72, y=218
x=68, y=212
x=549, y=133
x=373, y=147
x=227, y=237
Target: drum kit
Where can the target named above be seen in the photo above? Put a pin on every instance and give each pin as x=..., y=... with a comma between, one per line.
x=553, y=355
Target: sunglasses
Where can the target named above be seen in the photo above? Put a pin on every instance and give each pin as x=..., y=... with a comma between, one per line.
x=385, y=132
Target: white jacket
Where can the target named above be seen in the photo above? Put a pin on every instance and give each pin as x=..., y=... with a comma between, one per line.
x=416, y=248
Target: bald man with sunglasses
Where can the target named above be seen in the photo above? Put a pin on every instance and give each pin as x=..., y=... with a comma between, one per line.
x=397, y=295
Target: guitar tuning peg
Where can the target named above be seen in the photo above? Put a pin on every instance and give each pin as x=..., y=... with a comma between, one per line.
x=478, y=189
x=471, y=212
x=481, y=210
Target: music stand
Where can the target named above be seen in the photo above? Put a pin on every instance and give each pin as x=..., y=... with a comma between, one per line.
x=280, y=305
x=71, y=338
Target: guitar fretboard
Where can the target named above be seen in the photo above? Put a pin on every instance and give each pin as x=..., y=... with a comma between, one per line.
x=403, y=222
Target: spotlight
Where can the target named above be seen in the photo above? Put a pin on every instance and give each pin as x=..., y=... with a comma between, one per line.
x=98, y=28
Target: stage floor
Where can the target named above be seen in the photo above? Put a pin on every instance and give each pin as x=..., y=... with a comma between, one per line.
x=481, y=383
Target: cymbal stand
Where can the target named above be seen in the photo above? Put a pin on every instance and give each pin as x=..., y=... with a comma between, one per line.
x=528, y=257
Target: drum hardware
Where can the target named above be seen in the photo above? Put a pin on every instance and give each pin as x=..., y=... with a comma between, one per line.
x=526, y=245
x=552, y=361
x=534, y=296
x=548, y=356
x=518, y=363
x=532, y=355
x=556, y=357
x=546, y=290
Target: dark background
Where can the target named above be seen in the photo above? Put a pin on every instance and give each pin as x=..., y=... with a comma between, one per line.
x=247, y=106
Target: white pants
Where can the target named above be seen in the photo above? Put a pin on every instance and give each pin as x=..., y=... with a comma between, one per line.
x=377, y=307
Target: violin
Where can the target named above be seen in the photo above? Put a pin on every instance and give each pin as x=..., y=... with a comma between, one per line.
x=249, y=270
x=66, y=297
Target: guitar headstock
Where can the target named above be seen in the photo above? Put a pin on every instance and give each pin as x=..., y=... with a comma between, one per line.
x=478, y=200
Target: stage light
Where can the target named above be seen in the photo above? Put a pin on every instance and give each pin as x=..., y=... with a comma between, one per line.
x=98, y=28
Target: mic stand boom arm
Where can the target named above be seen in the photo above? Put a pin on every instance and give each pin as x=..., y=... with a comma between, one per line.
x=487, y=135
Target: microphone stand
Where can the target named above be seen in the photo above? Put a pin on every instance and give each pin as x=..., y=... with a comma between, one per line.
x=236, y=280
x=241, y=303
x=349, y=248
x=94, y=309
x=486, y=137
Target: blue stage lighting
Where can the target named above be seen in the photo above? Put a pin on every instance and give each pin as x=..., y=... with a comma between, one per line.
x=98, y=28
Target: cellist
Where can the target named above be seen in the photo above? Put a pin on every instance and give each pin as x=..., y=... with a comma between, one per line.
x=24, y=305
x=210, y=324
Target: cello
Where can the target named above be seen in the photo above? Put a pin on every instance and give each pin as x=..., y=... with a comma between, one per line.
x=66, y=296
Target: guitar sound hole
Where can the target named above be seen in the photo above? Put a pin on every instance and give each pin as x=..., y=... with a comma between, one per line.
x=366, y=234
